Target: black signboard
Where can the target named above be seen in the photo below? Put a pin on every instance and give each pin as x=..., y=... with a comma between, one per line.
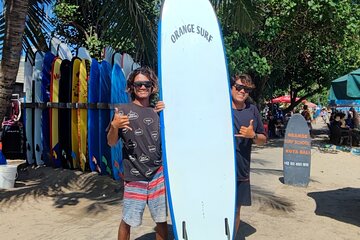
x=297, y=152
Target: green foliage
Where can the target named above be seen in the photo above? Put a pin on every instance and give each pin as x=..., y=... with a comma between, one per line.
x=294, y=46
x=243, y=59
x=127, y=26
x=298, y=47
x=65, y=12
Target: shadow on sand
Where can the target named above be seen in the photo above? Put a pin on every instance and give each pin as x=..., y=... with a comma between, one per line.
x=341, y=204
x=66, y=187
x=245, y=230
x=152, y=236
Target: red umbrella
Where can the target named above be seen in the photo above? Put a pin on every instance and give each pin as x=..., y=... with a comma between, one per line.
x=283, y=99
x=309, y=104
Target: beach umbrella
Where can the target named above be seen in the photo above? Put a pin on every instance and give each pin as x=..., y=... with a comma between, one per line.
x=282, y=99
x=346, y=87
x=309, y=104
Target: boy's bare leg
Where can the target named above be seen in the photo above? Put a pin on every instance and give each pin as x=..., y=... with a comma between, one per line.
x=237, y=220
x=124, y=231
x=161, y=231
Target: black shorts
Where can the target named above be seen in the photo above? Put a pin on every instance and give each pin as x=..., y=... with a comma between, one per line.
x=243, y=195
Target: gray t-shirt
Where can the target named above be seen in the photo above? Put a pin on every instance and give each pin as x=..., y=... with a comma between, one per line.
x=142, y=145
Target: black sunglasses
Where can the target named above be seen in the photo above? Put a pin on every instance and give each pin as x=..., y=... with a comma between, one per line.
x=240, y=87
x=146, y=84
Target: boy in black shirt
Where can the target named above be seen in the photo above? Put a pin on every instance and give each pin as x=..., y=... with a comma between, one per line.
x=249, y=129
x=137, y=124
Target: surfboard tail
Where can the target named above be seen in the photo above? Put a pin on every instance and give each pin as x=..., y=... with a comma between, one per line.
x=55, y=156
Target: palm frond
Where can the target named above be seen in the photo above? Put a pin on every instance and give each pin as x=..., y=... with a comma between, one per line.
x=37, y=26
x=132, y=22
x=239, y=15
x=2, y=28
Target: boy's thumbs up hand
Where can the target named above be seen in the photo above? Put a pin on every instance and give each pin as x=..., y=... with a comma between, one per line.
x=247, y=132
x=120, y=121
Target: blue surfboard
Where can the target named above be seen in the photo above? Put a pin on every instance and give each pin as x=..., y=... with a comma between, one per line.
x=118, y=95
x=93, y=116
x=104, y=118
x=196, y=125
x=45, y=97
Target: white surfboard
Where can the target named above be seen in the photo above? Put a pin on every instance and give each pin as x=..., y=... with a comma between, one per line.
x=64, y=52
x=117, y=58
x=108, y=54
x=54, y=45
x=37, y=76
x=126, y=64
x=135, y=66
x=28, y=71
x=83, y=53
x=197, y=130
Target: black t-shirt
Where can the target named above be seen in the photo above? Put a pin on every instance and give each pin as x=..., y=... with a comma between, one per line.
x=242, y=117
x=142, y=145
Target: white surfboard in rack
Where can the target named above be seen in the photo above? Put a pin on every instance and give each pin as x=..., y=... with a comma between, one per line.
x=197, y=130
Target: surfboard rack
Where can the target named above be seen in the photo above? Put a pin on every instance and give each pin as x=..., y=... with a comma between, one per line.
x=72, y=105
x=29, y=105
x=227, y=228
x=102, y=106
x=91, y=105
x=184, y=232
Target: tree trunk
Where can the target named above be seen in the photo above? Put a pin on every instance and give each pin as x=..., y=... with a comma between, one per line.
x=15, y=14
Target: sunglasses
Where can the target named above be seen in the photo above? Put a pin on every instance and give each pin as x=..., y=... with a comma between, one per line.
x=240, y=87
x=146, y=84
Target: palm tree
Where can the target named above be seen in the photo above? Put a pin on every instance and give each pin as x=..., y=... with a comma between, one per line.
x=238, y=15
x=22, y=23
x=129, y=25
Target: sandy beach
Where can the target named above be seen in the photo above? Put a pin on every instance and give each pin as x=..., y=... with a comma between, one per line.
x=59, y=204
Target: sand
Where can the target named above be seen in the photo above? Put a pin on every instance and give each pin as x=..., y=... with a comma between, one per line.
x=51, y=203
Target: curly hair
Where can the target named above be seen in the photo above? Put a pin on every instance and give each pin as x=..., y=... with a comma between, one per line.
x=149, y=73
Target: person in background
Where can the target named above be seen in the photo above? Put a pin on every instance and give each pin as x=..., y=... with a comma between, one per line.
x=356, y=118
x=137, y=125
x=307, y=115
x=248, y=129
x=271, y=125
x=324, y=114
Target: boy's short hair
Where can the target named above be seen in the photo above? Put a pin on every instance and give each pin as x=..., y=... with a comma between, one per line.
x=245, y=79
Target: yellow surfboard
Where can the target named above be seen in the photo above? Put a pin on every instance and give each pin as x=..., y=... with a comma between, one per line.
x=54, y=118
x=74, y=113
x=82, y=113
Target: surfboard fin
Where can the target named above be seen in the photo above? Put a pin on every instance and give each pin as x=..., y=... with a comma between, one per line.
x=82, y=161
x=184, y=232
x=227, y=229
